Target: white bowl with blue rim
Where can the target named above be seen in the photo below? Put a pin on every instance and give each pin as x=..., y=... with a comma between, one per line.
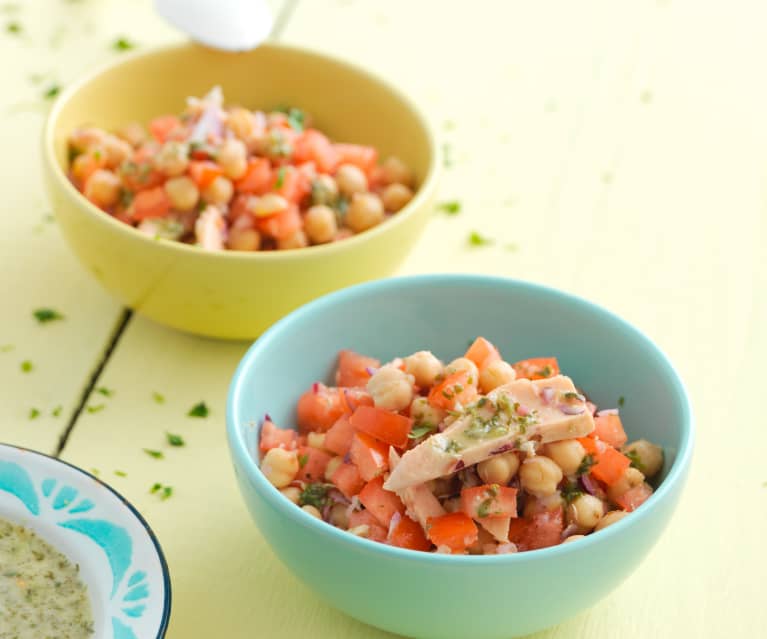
x=120, y=559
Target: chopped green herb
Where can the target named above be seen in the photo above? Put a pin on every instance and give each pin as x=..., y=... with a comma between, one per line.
x=314, y=494
x=27, y=366
x=198, y=410
x=342, y=205
x=636, y=460
x=484, y=507
x=6, y=348
x=95, y=408
x=568, y=394
x=174, y=440
x=280, y=178
x=621, y=400
x=164, y=492
x=106, y=392
x=51, y=92
x=57, y=411
x=95, y=471
x=296, y=119
x=121, y=473
x=453, y=447
x=452, y=207
x=123, y=44
x=420, y=430
x=447, y=155
x=13, y=27
x=34, y=413
x=475, y=239
x=156, y=454
x=159, y=398
x=303, y=460
x=585, y=466
x=571, y=491
x=546, y=372
x=155, y=487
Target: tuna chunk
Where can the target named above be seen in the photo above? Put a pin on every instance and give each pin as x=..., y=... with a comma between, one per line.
x=420, y=502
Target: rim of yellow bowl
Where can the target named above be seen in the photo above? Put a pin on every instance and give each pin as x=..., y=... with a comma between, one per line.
x=422, y=194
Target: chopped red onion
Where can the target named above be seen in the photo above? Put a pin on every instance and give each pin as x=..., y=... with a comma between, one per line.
x=547, y=394
x=338, y=497
x=589, y=485
x=506, y=548
x=572, y=409
x=393, y=523
x=349, y=401
x=572, y=529
x=460, y=465
x=607, y=411
x=522, y=410
x=592, y=407
x=370, y=370
x=502, y=449
x=326, y=511
x=267, y=418
x=316, y=387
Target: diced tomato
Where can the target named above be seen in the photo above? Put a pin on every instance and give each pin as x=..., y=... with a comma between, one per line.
x=381, y=503
x=482, y=352
x=364, y=157
x=364, y=518
x=351, y=398
x=347, y=479
x=537, y=368
x=406, y=533
x=610, y=465
x=518, y=529
x=370, y=455
x=273, y=437
x=86, y=164
x=313, y=146
x=139, y=175
x=544, y=529
x=609, y=428
x=382, y=424
x=281, y=225
x=257, y=179
x=456, y=530
x=203, y=172
x=634, y=497
x=163, y=126
x=490, y=501
x=319, y=408
x=290, y=184
x=352, y=368
x=338, y=438
x=151, y=203
x=312, y=463
x=239, y=206
x=590, y=444
x=454, y=388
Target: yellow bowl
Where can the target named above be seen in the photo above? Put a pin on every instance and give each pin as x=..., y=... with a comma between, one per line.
x=231, y=294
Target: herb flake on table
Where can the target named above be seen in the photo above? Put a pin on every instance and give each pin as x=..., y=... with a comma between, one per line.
x=45, y=315
x=6, y=348
x=198, y=410
x=154, y=454
x=121, y=473
x=27, y=366
x=447, y=155
x=51, y=92
x=158, y=398
x=452, y=207
x=14, y=28
x=163, y=492
x=175, y=440
x=34, y=413
x=123, y=44
x=57, y=411
x=511, y=247
x=95, y=408
x=477, y=239
x=106, y=392
x=621, y=400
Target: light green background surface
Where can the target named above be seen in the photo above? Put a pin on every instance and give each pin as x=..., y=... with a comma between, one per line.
x=622, y=147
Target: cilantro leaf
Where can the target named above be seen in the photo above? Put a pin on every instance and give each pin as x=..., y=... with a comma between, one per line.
x=163, y=492
x=198, y=410
x=95, y=408
x=420, y=430
x=155, y=454
x=34, y=413
x=314, y=494
x=51, y=92
x=296, y=119
x=106, y=392
x=452, y=207
x=585, y=466
x=159, y=398
x=571, y=491
x=45, y=315
x=636, y=460
x=57, y=411
x=476, y=239
x=484, y=507
x=174, y=440
x=123, y=44
x=280, y=178
x=27, y=366
x=303, y=460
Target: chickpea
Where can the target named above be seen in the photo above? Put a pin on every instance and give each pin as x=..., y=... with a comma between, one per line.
x=573, y=538
x=280, y=466
x=363, y=530
x=332, y=466
x=312, y=510
x=85, y=163
x=232, y=157
x=631, y=478
x=567, y=453
x=610, y=518
x=219, y=191
x=506, y=549
x=424, y=413
x=182, y=193
x=496, y=374
x=424, y=367
x=241, y=122
x=350, y=180
x=395, y=171
x=464, y=364
x=292, y=493
x=133, y=133
x=173, y=158
x=316, y=440
x=540, y=475
x=499, y=469
x=103, y=188
x=365, y=211
x=269, y=204
x=649, y=456
x=324, y=190
x=586, y=511
x=391, y=388
x=83, y=138
x=395, y=196
x=116, y=150
x=339, y=516
x=293, y=241
x=243, y=239
x=320, y=224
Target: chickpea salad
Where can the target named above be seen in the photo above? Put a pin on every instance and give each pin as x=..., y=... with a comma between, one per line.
x=478, y=456
x=230, y=178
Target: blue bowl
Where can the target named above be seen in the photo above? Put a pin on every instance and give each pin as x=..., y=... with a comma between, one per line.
x=443, y=596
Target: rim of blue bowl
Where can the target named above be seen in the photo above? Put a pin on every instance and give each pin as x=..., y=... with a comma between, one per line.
x=246, y=460
x=167, y=601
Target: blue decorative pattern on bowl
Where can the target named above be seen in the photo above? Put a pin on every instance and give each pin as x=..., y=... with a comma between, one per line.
x=120, y=560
